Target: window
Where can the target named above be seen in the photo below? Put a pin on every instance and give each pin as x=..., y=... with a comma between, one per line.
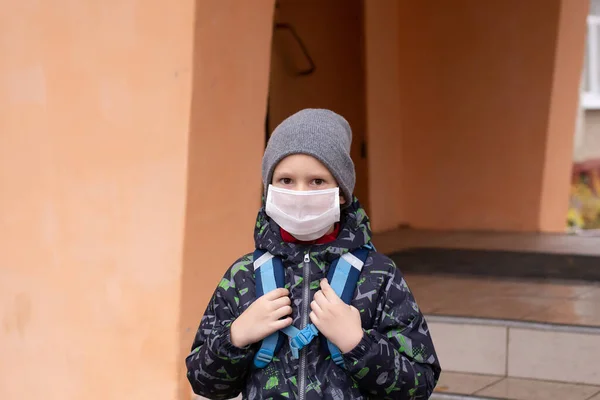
x=591, y=68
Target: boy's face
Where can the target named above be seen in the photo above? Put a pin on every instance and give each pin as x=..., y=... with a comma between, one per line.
x=302, y=172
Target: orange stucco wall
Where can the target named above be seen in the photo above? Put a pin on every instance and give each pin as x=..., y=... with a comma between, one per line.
x=558, y=156
x=94, y=116
x=485, y=116
x=475, y=101
x=382, y=96
x=227, y=138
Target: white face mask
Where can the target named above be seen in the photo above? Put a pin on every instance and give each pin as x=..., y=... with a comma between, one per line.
x=306, y=215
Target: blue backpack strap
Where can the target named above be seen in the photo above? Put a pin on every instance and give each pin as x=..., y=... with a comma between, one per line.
x=268, y=275
x=343, y=276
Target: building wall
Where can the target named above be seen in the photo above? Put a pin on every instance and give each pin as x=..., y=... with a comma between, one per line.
x=463, y=124
x=227, y=137
x=589, y=148
x=587, y=143
x=384, y=132
x=479, y=87
x=94, y=122
x=564, y=103
x=125, y=186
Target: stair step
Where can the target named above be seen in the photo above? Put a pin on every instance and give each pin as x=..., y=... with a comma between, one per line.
x=517, y=349
x=456, y=386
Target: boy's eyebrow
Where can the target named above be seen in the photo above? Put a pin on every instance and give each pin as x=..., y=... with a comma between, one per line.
x=322, y=176
x=282, y=172
x=318, y=176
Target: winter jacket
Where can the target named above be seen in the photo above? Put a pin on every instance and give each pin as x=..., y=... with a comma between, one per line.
x=394, y=360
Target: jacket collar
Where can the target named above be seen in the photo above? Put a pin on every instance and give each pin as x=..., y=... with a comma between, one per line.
x=355, y=232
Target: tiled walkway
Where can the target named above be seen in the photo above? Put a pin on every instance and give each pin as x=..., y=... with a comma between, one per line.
x=570, y=303
x=489, y=386
x=515, y=299
x=559, y=303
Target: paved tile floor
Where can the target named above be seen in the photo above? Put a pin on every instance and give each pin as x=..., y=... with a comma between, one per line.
x=490, y=386
x=515, y=299
x=560, y=303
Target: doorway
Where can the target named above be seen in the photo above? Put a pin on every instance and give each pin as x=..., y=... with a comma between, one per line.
x=317, y=61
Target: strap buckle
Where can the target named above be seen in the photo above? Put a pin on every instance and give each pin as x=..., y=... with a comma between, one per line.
x=338, y=359
x=302, y=338
x=262, y=358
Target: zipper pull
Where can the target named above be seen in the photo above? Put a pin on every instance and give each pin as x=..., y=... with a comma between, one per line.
x=307, y=258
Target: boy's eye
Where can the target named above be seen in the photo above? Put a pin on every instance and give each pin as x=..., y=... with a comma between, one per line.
x=319, y=182
x=285, y=181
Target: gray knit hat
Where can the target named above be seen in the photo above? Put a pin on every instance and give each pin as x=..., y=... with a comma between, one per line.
x=320, y=133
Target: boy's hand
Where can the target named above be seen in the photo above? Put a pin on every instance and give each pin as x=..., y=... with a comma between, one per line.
x=262, y=318
x=338, y=321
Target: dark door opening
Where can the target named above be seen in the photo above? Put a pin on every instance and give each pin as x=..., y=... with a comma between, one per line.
x=317, y=61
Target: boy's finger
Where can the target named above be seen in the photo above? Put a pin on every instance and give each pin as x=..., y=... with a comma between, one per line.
x=316, y=307
x=282, y=312
x=281, y=323
x=313, y=318
x=329, y=293
x=321, y=299
x=277, y=293
x=280, y=302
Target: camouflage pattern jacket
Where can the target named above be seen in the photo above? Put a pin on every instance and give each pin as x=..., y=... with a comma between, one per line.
x=394, y=360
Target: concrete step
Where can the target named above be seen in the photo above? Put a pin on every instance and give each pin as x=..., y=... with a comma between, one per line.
x=456, y=386
x=518, y=349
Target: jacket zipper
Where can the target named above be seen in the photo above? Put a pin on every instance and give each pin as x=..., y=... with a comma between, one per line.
x=305, y=304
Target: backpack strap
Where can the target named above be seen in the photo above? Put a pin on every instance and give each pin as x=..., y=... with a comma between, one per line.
x=268, y=275
x=343, y=276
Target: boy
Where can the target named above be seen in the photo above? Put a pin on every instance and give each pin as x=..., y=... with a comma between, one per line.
x=309, y=220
